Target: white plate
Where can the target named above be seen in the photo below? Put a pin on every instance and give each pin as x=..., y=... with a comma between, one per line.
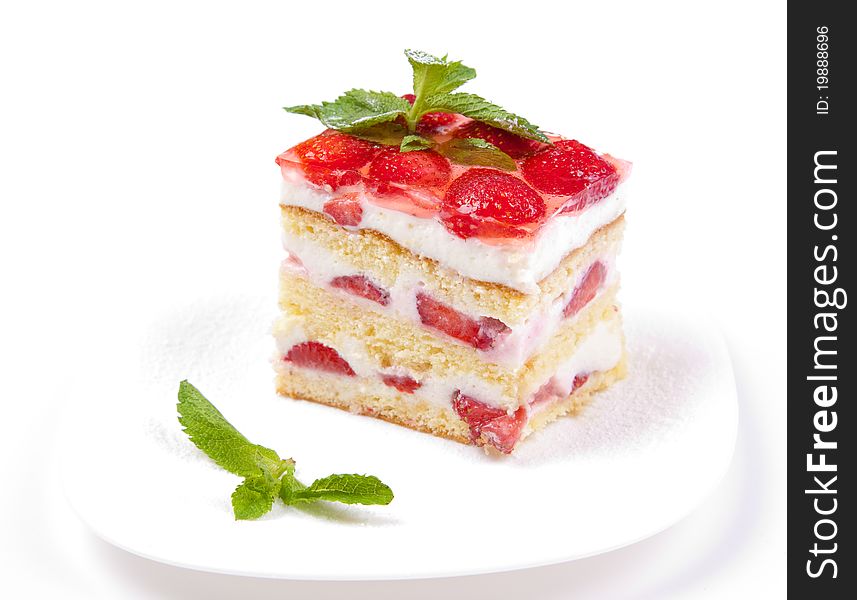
x=637, y=460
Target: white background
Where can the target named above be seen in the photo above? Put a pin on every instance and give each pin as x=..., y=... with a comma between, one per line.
x=130, y=133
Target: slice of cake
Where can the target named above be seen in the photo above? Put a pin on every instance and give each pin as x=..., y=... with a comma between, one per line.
x=449, y=267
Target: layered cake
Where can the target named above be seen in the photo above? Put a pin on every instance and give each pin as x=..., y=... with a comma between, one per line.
x=448, y=271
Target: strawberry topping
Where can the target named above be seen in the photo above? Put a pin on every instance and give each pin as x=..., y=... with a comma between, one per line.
x=586, y=289
x=571, y=169
x=420, y=168
x=362, y=286
x=403, y=383
x=489, y=203
x=345, y=210
x=336, y=150
x=513, y=145
x=335, y=178
x=315, y=355
x=490, y=424
x=481, y=333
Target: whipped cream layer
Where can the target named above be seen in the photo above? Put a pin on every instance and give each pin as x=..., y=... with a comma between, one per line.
x=520, y=267
x=511, y=349
x=601, y=350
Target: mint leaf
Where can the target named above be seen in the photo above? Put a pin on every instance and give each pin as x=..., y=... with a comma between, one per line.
x=479, y=109
x=433, y=75
x=389, y=134
x=376, y=116
x=254, y=497
x=289, y=487
x=355, y=110
x=310, y=110
x=475, y=151
x=215, y=436
x=348, y=489
x=414, y=142
x=266, y=476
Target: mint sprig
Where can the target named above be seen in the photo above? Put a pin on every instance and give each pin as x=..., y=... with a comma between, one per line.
x=386, y=116
x=266, y=475
x=356, y=109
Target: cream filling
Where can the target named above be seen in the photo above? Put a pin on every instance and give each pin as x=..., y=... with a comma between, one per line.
x=601, y=350
x=512, y=349
x=518, y=267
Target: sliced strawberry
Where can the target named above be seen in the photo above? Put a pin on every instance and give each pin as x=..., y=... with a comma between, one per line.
x=579, y=380
x=431, y=122
x=403, y=383
x=490, y=330
x=490, y=424
x=413, y=201
x=362, y=286
x=504, y=433
x=513, y=145
x=315, y=355
x=489, y=203
x=336, y=150
x=345, y=210
x=586, y=289
x=421, y=168
x=569, y=168
x=334, y=178
x=293, y=263
x=548, y=391
x=481, y=333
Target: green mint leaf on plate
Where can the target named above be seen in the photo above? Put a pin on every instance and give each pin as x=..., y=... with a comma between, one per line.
x=476, y=151
x=254, y=497
x=266, y=476
x=348, y=489
x=214, y=435
x=414, y=142
x=355, y=110
x=289, y=487
x=479, y=109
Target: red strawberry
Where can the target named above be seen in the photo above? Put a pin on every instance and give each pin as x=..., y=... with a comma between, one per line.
x=489, y=203
x=480, y=333
x=579, y=380
x=336, y=150
x=431, y=122
x=571, y=169
x=586, y=289
x=513, y=145
x=420, y=168
x=403, y=383
x=548, y=391
x=345, y=210
x=335, y=178
x=362, y=286
x=315, y=355
x=490, y=424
